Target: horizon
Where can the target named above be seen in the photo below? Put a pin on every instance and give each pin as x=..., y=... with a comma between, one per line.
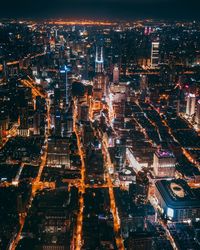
x=106, y=9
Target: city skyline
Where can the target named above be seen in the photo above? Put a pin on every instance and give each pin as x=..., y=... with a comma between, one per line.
x=99, y=127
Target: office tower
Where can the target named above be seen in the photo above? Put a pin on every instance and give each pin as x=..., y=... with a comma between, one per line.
x=190, y=107
x=64, y=85
x=155, y=55
x=20, y=206
x=5, y=70
x=83, y=112
x=116, y=74
x=99, y=61
x=99, y=86
x=143, y=82
x=69, y=118
x=56, y=33
x=57, y=123
x=36, y=123
x=147, y=30
x=52, y=44
x=164, y=163
x=24, y=126
x=198, y=114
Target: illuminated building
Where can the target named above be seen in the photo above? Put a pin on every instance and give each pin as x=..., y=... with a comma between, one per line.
x=4, y=122
x=198, y=114
x=69, y=119
x=177, y=201
x=148, y=30
x=116, y=74
x=83, y=112
x=58, y=153
x=190, y=107
x=57, y=123
x=132, y=160
x=99, y=86
x=155, y=55
x=23, y=129
x=36, y=123
x=65, y=84
x=34, y=71
x=143, y=82
x=99, y=61
x=52, y=44
x=164, y=163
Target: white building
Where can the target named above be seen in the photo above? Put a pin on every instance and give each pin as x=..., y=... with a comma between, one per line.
x=155, y=55
x=190, y=107
x=164, y=164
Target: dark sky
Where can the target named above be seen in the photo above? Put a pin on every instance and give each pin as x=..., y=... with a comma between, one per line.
x=125, y=9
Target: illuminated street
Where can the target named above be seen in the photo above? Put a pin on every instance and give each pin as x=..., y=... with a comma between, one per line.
x=79, y=222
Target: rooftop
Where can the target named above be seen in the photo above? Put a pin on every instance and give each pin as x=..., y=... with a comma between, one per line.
x=177, y=194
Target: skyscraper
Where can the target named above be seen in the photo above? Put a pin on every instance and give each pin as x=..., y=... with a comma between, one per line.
x=198, y=114
x=143, y=82
x=155, y=55
x=116, y=74
x=99, y=61
x=164, y=163
x=190, y=107
x=65, y=84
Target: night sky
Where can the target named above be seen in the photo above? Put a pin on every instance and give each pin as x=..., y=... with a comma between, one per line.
x=101, y=9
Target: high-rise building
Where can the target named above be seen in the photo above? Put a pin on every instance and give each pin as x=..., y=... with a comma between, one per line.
x=100, y=86
x=155, y=55
x=116, y=74
x=24, y=126
x=164, y=163
x=65, y=86
x=190, y=107
x=57, y=123
x=20, y=206
x=198, y=114
x=36, y=123
x=99, y=61
x=83, y=112
x=143, y=82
